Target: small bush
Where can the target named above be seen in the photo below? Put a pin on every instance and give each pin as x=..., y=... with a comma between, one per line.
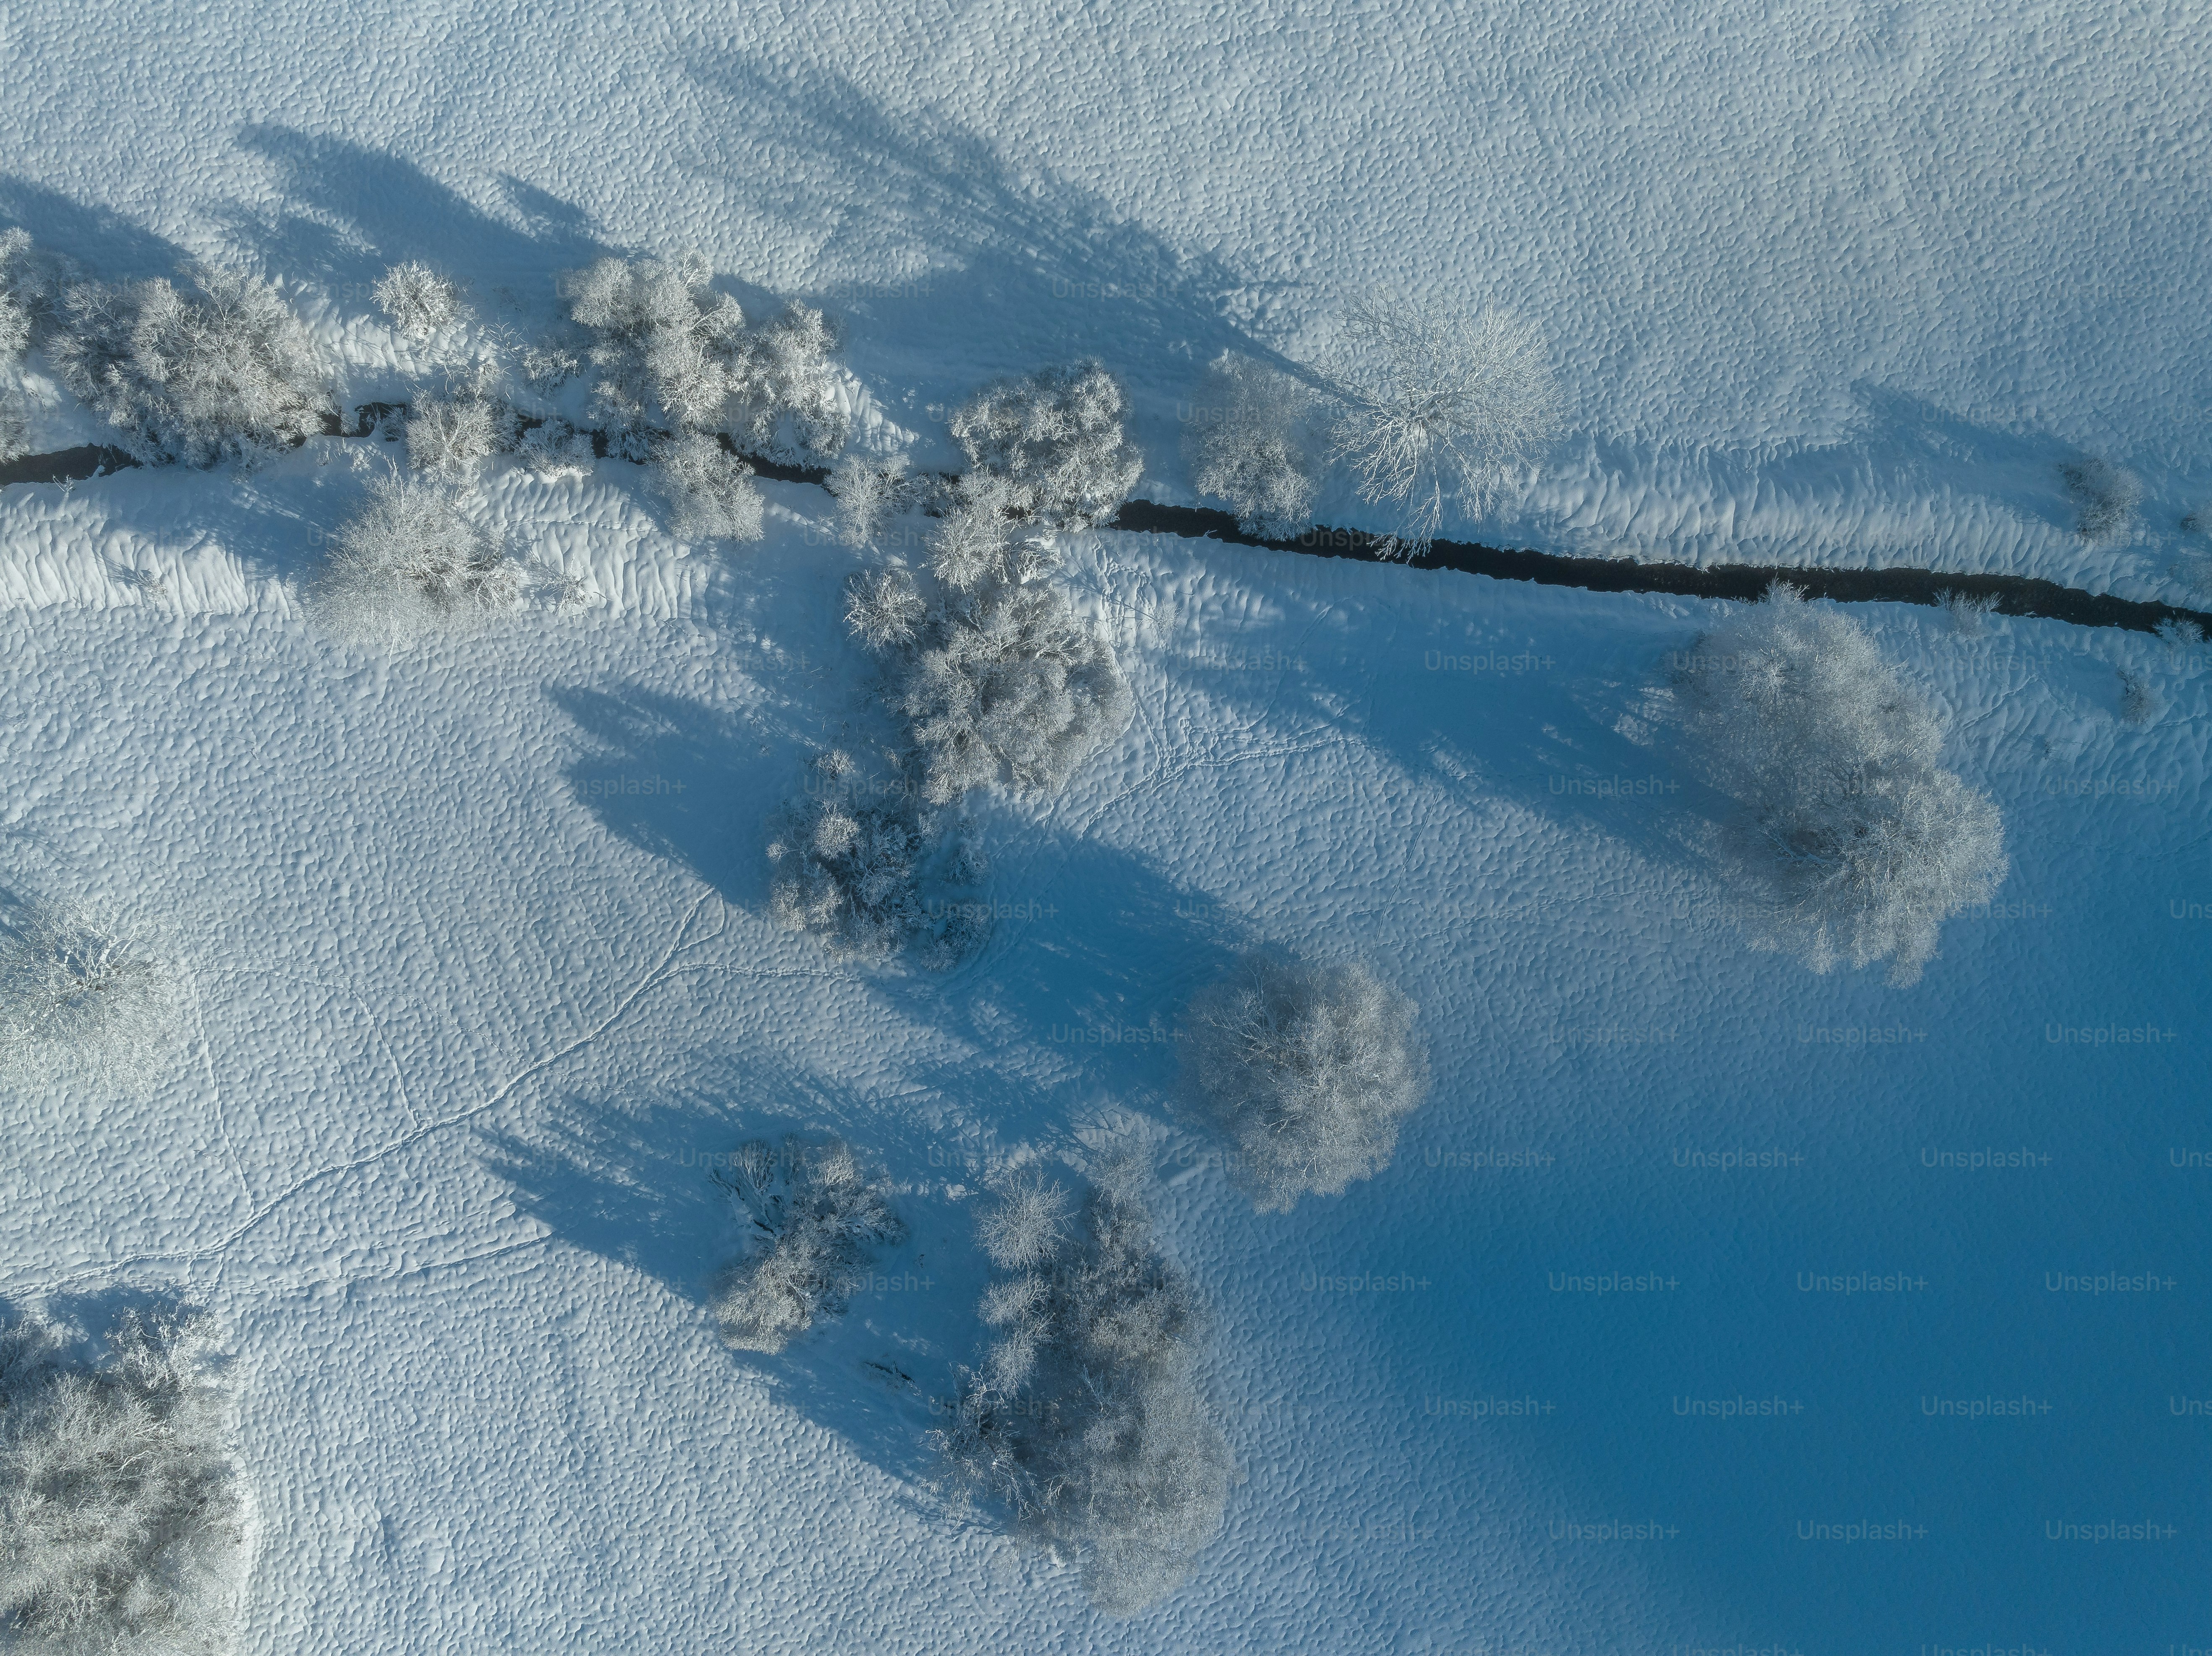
x=850, y=867
x=417, y=299
x=1086, y=1419
x=884, y=610
x=787, y=388
x=2140, y=701
x=449, y=438
x=1247, y=448
x=85, y=997
x=121, y=1509
x=15, y=428
x=710, y=491
x=1009, y=685
x=230, y=374
x=1854, y=843
x=1433, y=402
x=1969, y=612
x=1306, y=1070
x=2109, y=496
x=553, y=445
x=867, y=492
x=1054, y=438
x=413, y=562
x=810, y=1215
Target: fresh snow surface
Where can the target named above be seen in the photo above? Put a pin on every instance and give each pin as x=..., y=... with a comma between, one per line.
x=482, y=984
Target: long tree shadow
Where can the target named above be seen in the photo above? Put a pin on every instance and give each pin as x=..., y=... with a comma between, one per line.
x=106, y=243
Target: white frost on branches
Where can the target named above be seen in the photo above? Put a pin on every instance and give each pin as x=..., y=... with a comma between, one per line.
x=122, y=1513
x=1308, y=1070
x=1055, y=439
x=226, y=373
x=1086, y=1419
x=1853, y=842
x=710, y=492
x=810, y=1215
x=867, y=492
x=2108, y=496
x=1433, y=402
x=1246, y=446
x=418, y=300
x=85, y=996
x=883, y=608
x=411, y=563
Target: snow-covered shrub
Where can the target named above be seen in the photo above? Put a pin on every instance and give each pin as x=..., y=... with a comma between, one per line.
x=413, y=562
x=1086, y=1419
x=883, y=609
x=15, y=428
x=1969, y=612
x=1054, y=438
x=850, y=865
x=554, y=445
x=668, y=348
x=786, y=388
x=121, y=1511
x=1432, y=401
x=1308, y=1070
x=810, y=1215
x=1246, y=446
x=449, y=437
x=2140, y=701
x=229, y=373
x=418, y=300
x=550, y=363
x=1009, y=683
x=85, y=996
x=867, y=492
x=2108, y=496
x=1849, y=837
x=710, y=491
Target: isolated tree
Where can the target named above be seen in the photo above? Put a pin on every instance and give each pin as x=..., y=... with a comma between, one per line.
x=1247, y=445
x=810, y=1216
x=1306, y=1070
x=2108, y=495
x=1054, y=438
x=1848, y=838
x=1086, y=1419
x=226, y=373
x=413, y=562
x=418, y=300
x=121, y=1508
x=1433, y=401
x=86, y=996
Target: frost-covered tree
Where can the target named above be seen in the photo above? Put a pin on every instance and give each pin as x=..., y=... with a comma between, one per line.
x=121, y=1506
x=552, y=445
x=1246, y=446
x=787, y=388
x=17, y=306
x=1851, y=841
x=86, y=996
x=411, y=563
x=226, y=373
x=448, y=438
x=1054, y=438
x=1306, y=1070
x=418, y=300
x=850, y=866
x=810, y=1215
x=710, y=492
x=1432, y=402
x=867, y=492
x=1009, y=683
x=883, y=608
x=2108, y=496
x=986, y=537
x=668, y=348
x=1086, y=1419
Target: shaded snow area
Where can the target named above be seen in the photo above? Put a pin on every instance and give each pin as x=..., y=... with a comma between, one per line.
x=1689, y=1253
x=1188, y=1098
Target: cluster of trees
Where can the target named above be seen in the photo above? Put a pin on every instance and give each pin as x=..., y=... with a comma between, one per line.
x=121, y=1505
x=810, y=1214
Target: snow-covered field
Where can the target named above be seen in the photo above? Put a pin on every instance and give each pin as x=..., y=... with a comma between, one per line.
x=1707, y=1302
